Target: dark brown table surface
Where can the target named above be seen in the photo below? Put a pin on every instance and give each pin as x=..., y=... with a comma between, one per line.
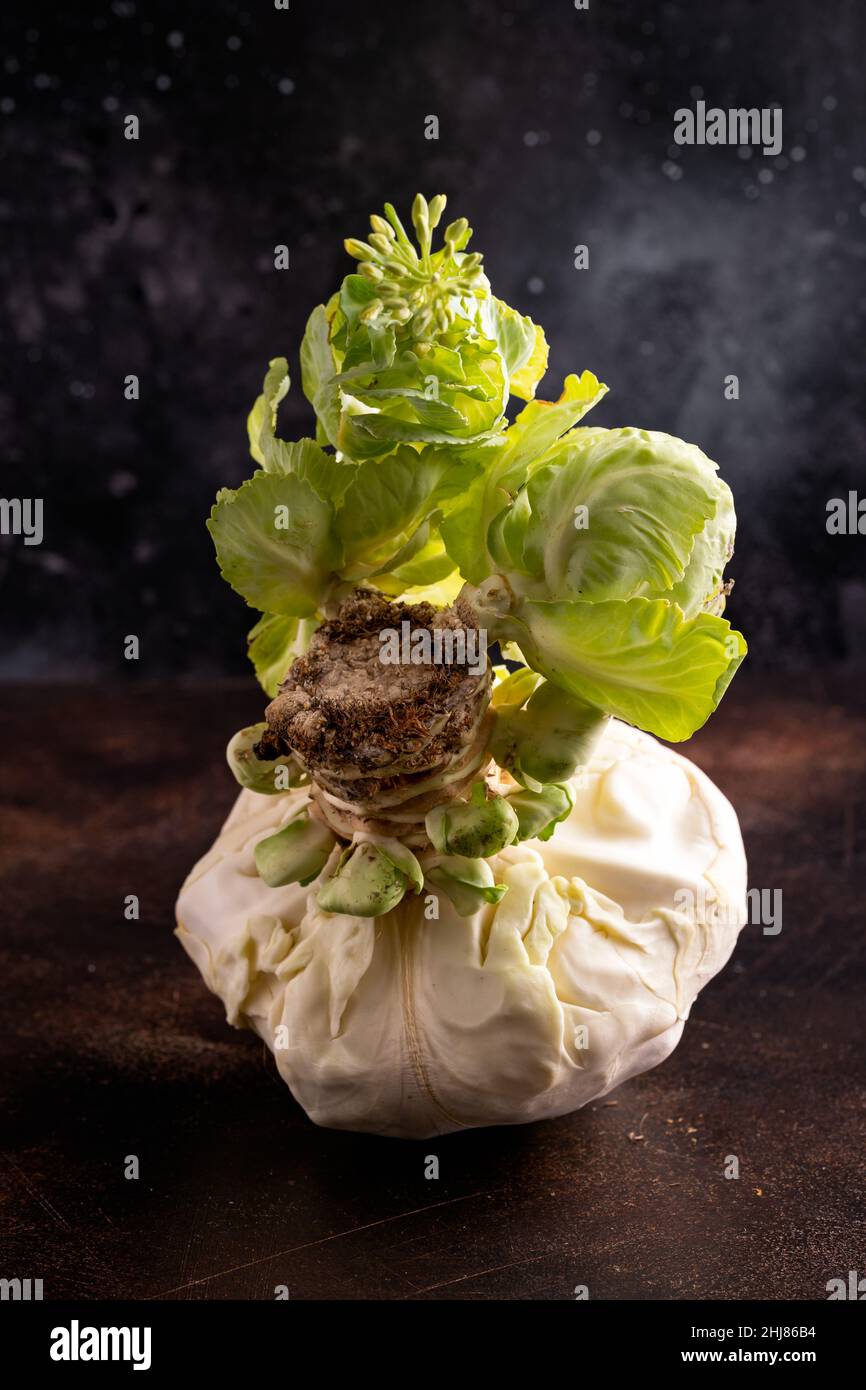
x=112, y=1046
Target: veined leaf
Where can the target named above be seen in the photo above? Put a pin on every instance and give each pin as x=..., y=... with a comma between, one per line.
x=521, y=342
x=276, y=386
x=275, y=543
x=702, y=585
x=430, y=564
x=273, y=644
x=318, y=371
x=384, y=507
x=522, y=447
x=368, y=435
x=262, y=419
x=328, y=475
x=611, y=511
x=638, y=659
x=539, y=813
x=524, y=383
x=468, y=883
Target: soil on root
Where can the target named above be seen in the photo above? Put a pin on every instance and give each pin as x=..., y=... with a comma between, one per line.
x=368, y=724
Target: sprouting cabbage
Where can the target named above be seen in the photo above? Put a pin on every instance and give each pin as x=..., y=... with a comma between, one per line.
x=452, y=877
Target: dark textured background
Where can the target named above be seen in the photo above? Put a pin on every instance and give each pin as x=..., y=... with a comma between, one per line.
x=259, y=127
x=156, y=258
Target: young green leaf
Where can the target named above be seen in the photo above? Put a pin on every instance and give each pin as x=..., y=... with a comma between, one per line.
x=275, y=543
x=513, y=690
x=611, y=511
x=318, y=371
x=476, y=828
x=507, y=466
x=539, y=813
x=276, y=386
x=262, y=419
x=638, y=659
x=429, y=564
x=366, y=883
x=385, y=506
x=540, y=424
x=522, y=344
x=327, y=474
x=258, y=423
x=272, y=646
x=268, y=776
x=548, y=740
x=702, y=585
x=296, y=854
x=468, y=883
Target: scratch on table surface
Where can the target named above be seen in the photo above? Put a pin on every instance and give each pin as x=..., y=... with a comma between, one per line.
x=840, y=963
x=848, y=835
x=36, y=1195
x=479, y=1273
x=311, y=1244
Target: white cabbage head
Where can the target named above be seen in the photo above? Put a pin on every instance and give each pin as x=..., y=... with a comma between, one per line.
x=580, y=978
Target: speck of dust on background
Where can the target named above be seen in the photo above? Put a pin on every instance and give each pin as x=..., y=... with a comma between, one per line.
x=258, y=127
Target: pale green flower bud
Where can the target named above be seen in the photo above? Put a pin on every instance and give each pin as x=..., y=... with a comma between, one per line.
x=382, y=227
x=437, y=207
x=360, y=250
x=421, y=218
x=457, y=233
